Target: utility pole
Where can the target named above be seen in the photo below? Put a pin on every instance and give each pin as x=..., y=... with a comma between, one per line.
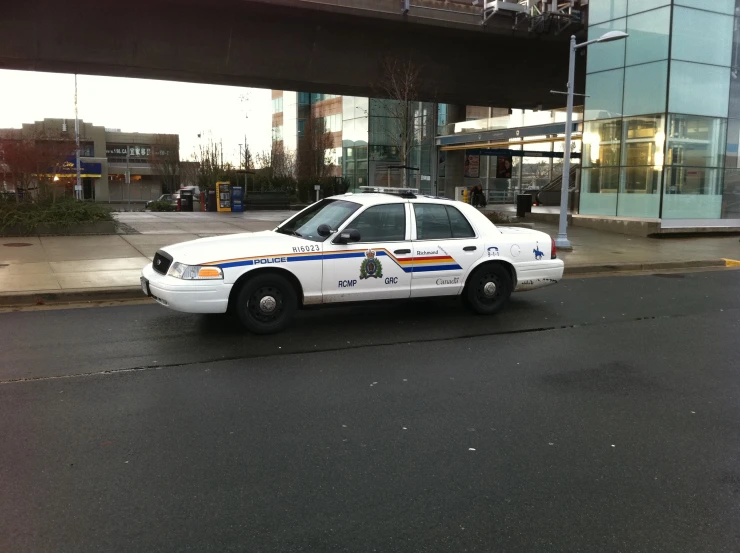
x=78, y=186
x=246, y=164
x=128, y=175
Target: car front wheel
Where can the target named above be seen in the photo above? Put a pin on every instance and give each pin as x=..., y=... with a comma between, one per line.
x=266, y=304
x=488, y=289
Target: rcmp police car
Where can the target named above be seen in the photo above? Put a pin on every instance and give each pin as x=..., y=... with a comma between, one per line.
x=375, y=245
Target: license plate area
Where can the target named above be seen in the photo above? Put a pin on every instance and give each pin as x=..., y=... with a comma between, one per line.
x=145, y=287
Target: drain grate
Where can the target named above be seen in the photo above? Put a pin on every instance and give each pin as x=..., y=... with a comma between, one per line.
x=17, y=244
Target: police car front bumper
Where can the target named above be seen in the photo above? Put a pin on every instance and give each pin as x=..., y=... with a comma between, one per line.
x=188, y=296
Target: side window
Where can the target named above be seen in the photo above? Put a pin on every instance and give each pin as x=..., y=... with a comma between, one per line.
x=460, y=226
x=432, y=222
x=381, y=223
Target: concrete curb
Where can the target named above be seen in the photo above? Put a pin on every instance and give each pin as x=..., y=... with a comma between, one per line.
x=571, y=270
x=21, y=299
x=128, y=293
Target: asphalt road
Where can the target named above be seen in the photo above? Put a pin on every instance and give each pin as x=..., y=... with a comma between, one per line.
x=599, y=415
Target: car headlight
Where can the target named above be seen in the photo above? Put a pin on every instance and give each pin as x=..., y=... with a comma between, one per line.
x=195, y=272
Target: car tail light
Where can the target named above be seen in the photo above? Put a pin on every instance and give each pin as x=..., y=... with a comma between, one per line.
x=554, y=250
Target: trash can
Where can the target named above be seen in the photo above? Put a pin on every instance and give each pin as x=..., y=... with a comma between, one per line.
x=523, y=204
x=186, y=200
x=212, y=205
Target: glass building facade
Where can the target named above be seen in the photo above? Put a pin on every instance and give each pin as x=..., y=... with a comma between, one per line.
x=662, y=113
x=371, y=155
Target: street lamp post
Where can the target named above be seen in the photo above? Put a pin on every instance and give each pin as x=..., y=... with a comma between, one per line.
x=562, y=241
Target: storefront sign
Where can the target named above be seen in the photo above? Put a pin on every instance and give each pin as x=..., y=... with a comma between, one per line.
x=68, y=169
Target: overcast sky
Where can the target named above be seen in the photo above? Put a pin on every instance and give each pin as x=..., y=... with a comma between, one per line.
x=138, y=105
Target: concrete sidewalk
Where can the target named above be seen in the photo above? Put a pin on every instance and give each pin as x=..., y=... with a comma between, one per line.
x=82, y=268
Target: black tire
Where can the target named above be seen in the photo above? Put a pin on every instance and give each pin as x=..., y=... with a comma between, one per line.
x=478, y=296
x=255, y=314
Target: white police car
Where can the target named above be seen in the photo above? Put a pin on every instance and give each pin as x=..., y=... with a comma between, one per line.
x=378, y=245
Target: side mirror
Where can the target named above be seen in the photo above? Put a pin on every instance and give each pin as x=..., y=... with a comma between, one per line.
x=348, y=235
x=324, y=230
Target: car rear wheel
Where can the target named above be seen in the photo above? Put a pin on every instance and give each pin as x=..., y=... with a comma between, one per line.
x=267, y=304
x=488, y=289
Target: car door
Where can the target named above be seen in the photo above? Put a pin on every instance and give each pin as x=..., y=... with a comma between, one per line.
x=445, y=246
x=375, y=266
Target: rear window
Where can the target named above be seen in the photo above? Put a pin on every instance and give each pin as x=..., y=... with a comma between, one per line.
x=437, y=222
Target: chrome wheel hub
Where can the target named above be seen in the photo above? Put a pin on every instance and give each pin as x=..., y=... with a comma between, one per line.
x=268, y=304
x=489, y=289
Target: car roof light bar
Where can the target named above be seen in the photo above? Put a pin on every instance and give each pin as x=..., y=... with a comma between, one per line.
x=403, y=192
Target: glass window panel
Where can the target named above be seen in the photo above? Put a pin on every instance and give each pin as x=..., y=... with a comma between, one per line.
x=731, y=194
x=609, y=55
x=460, y=226
x=348, y=108
x=648, y=40
x=734, y=108
x=639, y=193
x=732, y=161
x=432, y=222
x=692, y=193
x=599, y=191
x=723, y=6
x=442, y=115
x=701, y=36
x=636, y=6
x=604, y=92
x=606, y=10
x=644, y=143
x=699, y=89
x=696, y=141
x=381, y=223
x=645, y=88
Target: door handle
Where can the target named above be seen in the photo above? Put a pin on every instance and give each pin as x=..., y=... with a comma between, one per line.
x=401, y=252
x=469, y=248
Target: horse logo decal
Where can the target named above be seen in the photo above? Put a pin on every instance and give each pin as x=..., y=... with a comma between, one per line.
x=537, y=253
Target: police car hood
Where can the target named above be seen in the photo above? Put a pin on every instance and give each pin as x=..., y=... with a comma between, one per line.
x=234, y=246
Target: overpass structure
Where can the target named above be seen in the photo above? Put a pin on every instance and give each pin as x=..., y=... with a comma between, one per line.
x=485, y=52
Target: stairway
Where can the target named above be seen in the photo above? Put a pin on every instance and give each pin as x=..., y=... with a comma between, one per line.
x=550, y=193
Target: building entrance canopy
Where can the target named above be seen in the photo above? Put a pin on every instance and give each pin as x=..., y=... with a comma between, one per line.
x=517, y=153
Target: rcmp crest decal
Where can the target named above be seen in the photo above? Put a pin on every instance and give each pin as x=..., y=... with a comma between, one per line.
x=371, y=266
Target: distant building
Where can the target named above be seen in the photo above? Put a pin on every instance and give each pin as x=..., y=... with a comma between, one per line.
x=108, y=154
x=361, y=149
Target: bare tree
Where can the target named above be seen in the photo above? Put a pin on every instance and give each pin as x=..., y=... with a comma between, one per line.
x=247, y=159
x=208, y=157
x=165, y=160
x=33, y=163
x=189, y=173
x=278, y=161
x=400, y=84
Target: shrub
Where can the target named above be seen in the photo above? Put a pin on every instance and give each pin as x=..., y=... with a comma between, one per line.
x=498, y=218
x=161, y=206
x=26, y=216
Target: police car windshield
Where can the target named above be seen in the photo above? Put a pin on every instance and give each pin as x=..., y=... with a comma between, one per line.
x=325, y=212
